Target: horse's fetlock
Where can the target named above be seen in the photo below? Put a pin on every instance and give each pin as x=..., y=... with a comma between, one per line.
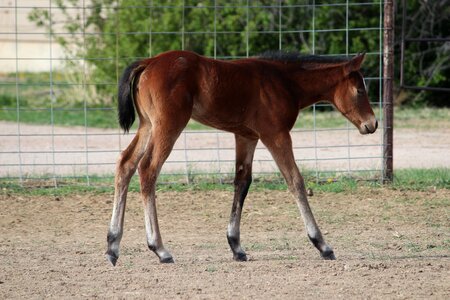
x=151, y=246
x=166, y=260
x=315, y=241
x=112, y=237
x=233, y=240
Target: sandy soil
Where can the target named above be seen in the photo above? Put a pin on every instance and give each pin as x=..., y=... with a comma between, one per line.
x=389, y=245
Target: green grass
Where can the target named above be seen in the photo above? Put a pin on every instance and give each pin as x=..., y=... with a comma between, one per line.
x=71, y=103
x=421, y=179
x=422, y=118
x=95, y=117
x=409, y=179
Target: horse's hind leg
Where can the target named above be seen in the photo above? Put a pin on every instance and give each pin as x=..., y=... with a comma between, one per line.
x=280, y=147
x=245, y=148
x=125, y=168
x=159, y=147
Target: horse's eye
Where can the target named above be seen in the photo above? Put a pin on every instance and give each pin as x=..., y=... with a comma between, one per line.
x=360, y=92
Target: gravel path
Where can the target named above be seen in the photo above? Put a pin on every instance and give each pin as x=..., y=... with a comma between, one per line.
x=71, y=147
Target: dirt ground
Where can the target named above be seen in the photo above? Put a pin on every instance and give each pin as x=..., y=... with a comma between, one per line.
x=389, y=244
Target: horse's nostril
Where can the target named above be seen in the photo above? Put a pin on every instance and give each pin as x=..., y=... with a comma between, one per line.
x=376, y=124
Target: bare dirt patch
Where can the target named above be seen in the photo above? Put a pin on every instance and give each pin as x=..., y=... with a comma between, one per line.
x=389, y=244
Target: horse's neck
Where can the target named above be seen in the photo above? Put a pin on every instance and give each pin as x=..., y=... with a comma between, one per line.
x=317, y=84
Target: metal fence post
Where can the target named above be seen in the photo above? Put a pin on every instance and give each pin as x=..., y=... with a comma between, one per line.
x=388, y=98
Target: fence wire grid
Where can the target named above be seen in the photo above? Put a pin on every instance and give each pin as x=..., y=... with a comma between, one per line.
x=46, y=138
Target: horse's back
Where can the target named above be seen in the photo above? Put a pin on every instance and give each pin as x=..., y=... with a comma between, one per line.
x=236, y=96
x=214, y=89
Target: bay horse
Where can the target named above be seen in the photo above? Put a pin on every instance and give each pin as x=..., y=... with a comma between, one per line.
x=256, y=98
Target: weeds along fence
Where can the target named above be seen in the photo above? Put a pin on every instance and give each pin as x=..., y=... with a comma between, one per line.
x=61, y=61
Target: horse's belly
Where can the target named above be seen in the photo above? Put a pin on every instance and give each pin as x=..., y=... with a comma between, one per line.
x=214, y=119
x=218, y=120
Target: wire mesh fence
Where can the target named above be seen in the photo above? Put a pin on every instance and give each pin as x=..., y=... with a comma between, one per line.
x=60, y=64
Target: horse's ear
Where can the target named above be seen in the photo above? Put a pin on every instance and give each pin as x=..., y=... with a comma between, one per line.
x=355, y=63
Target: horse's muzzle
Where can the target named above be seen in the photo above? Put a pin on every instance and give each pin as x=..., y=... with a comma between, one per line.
x=369, y=127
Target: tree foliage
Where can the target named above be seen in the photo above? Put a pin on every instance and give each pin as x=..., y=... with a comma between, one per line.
x=109, y=34
x=426, y=63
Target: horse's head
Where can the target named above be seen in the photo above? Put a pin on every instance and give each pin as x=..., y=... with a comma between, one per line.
x=350, y=97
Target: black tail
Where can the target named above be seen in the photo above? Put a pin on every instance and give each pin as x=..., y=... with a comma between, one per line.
x=127, y=89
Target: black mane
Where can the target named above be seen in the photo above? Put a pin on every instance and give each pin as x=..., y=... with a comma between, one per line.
x=289, y=57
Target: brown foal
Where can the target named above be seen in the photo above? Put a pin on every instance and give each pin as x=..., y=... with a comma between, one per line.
x=256, y=98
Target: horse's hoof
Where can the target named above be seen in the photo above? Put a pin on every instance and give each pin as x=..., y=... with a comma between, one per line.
x=328, y=255
x=240, y=256
x=112, y=258
x=167, y=260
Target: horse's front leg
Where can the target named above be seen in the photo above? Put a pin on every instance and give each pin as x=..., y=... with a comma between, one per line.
x=280, y=146
x=245, y=148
